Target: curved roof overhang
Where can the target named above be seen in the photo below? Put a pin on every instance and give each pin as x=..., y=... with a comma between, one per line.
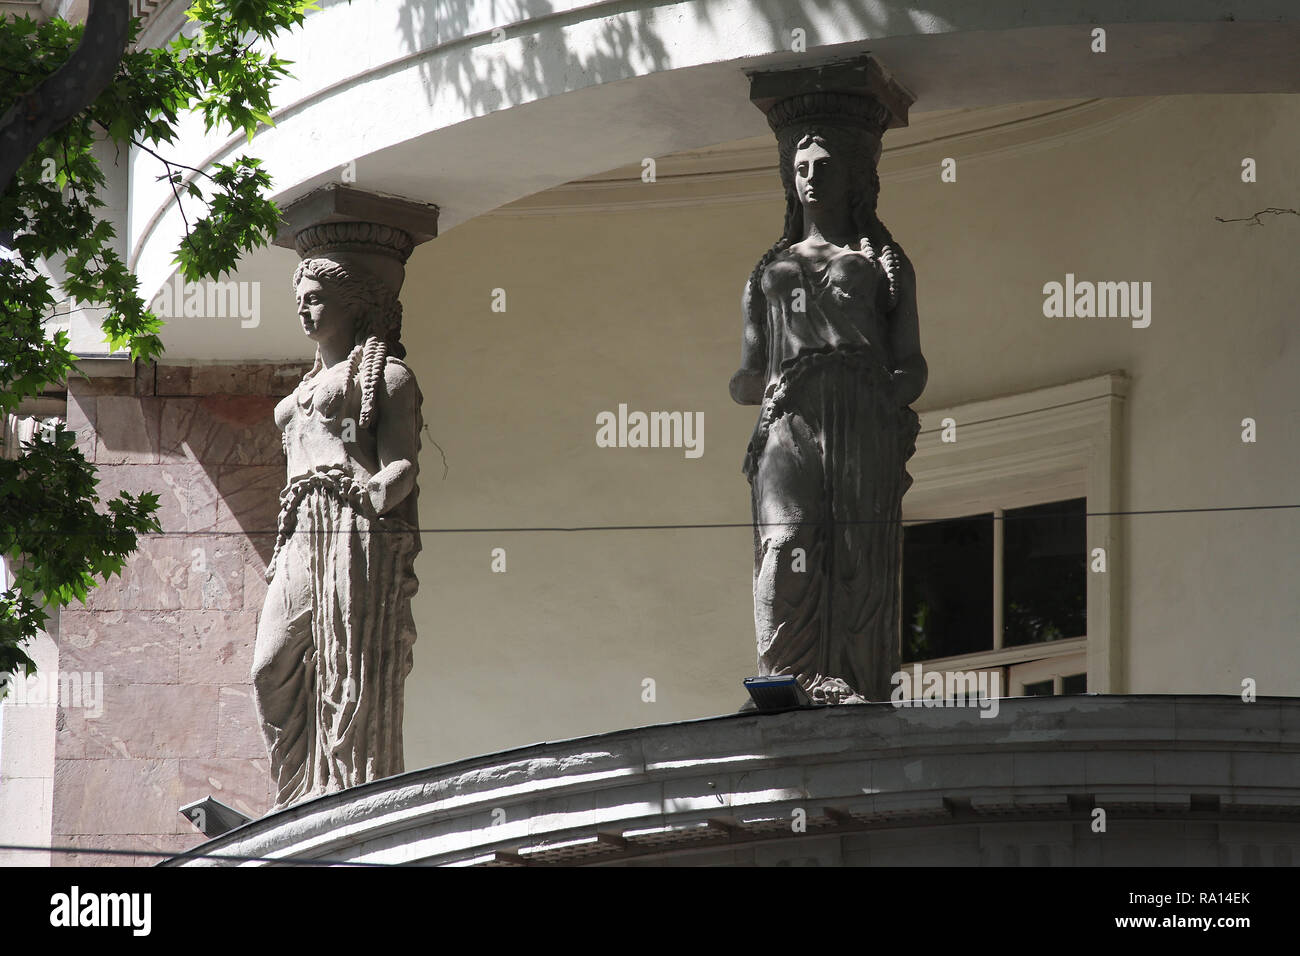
x=471, y=113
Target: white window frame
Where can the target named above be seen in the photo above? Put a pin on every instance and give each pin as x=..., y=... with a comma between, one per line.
x=1051, y=444
x=1055, y=669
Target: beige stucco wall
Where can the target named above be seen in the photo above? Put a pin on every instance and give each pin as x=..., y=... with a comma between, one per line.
x=642, y=307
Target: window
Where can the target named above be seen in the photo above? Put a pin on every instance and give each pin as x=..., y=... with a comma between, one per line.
x=1045, y=569
x=947, y=588
x=955, y=570
x=1007, y=531
x=1053, y=677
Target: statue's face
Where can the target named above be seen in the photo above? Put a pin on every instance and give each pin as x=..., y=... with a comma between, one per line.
x=321, y=311
x=819, y=179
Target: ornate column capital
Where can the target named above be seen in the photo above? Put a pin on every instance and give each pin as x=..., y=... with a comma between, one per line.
x=377, y=230
x=855, y=92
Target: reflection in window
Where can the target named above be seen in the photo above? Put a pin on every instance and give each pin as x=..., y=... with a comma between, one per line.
x=1074, y=684
x=947, y=588
x=1045, y=566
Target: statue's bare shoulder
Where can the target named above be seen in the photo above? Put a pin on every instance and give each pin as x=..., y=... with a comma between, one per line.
x=399, y=380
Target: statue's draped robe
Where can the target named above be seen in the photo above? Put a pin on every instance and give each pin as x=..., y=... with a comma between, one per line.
x=827, y=468
x=342, y=580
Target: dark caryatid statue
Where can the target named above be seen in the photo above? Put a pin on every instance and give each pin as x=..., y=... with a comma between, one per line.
x=832, y=354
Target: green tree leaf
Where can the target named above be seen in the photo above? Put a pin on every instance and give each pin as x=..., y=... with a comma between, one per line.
x=58, y=538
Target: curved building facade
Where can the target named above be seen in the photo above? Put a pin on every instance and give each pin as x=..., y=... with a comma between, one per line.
x=1102, y=522
x=1111, y=780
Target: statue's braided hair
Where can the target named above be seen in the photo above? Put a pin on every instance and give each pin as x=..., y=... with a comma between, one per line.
x=378, y=329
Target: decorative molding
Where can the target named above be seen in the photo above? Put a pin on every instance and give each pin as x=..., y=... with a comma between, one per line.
x=731, y=783
x=377, y=230
x=341, y=214
x=866, y=93
x=146, y=10
x=160, y=21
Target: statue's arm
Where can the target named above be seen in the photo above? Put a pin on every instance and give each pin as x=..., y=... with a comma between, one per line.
x=910, y=370
x=748, y=382
x=397, y=439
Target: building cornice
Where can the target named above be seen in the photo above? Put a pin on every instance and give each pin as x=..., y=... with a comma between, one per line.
x=737, y=781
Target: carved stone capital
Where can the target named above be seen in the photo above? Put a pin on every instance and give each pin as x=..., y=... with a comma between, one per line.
x=345, y=223
x=859, y=92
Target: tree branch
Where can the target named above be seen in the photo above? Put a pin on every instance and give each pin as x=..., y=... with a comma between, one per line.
x=69, y=89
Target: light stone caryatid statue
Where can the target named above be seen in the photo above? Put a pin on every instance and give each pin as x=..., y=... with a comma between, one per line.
x=832, y=353
x=335, y=636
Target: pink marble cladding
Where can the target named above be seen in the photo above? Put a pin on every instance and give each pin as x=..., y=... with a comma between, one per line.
x=172, y=636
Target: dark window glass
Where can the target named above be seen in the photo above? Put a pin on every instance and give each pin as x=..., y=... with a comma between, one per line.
x=1045, y=588
x=947, y=588
x=1042, y=688
x=1074, y=684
